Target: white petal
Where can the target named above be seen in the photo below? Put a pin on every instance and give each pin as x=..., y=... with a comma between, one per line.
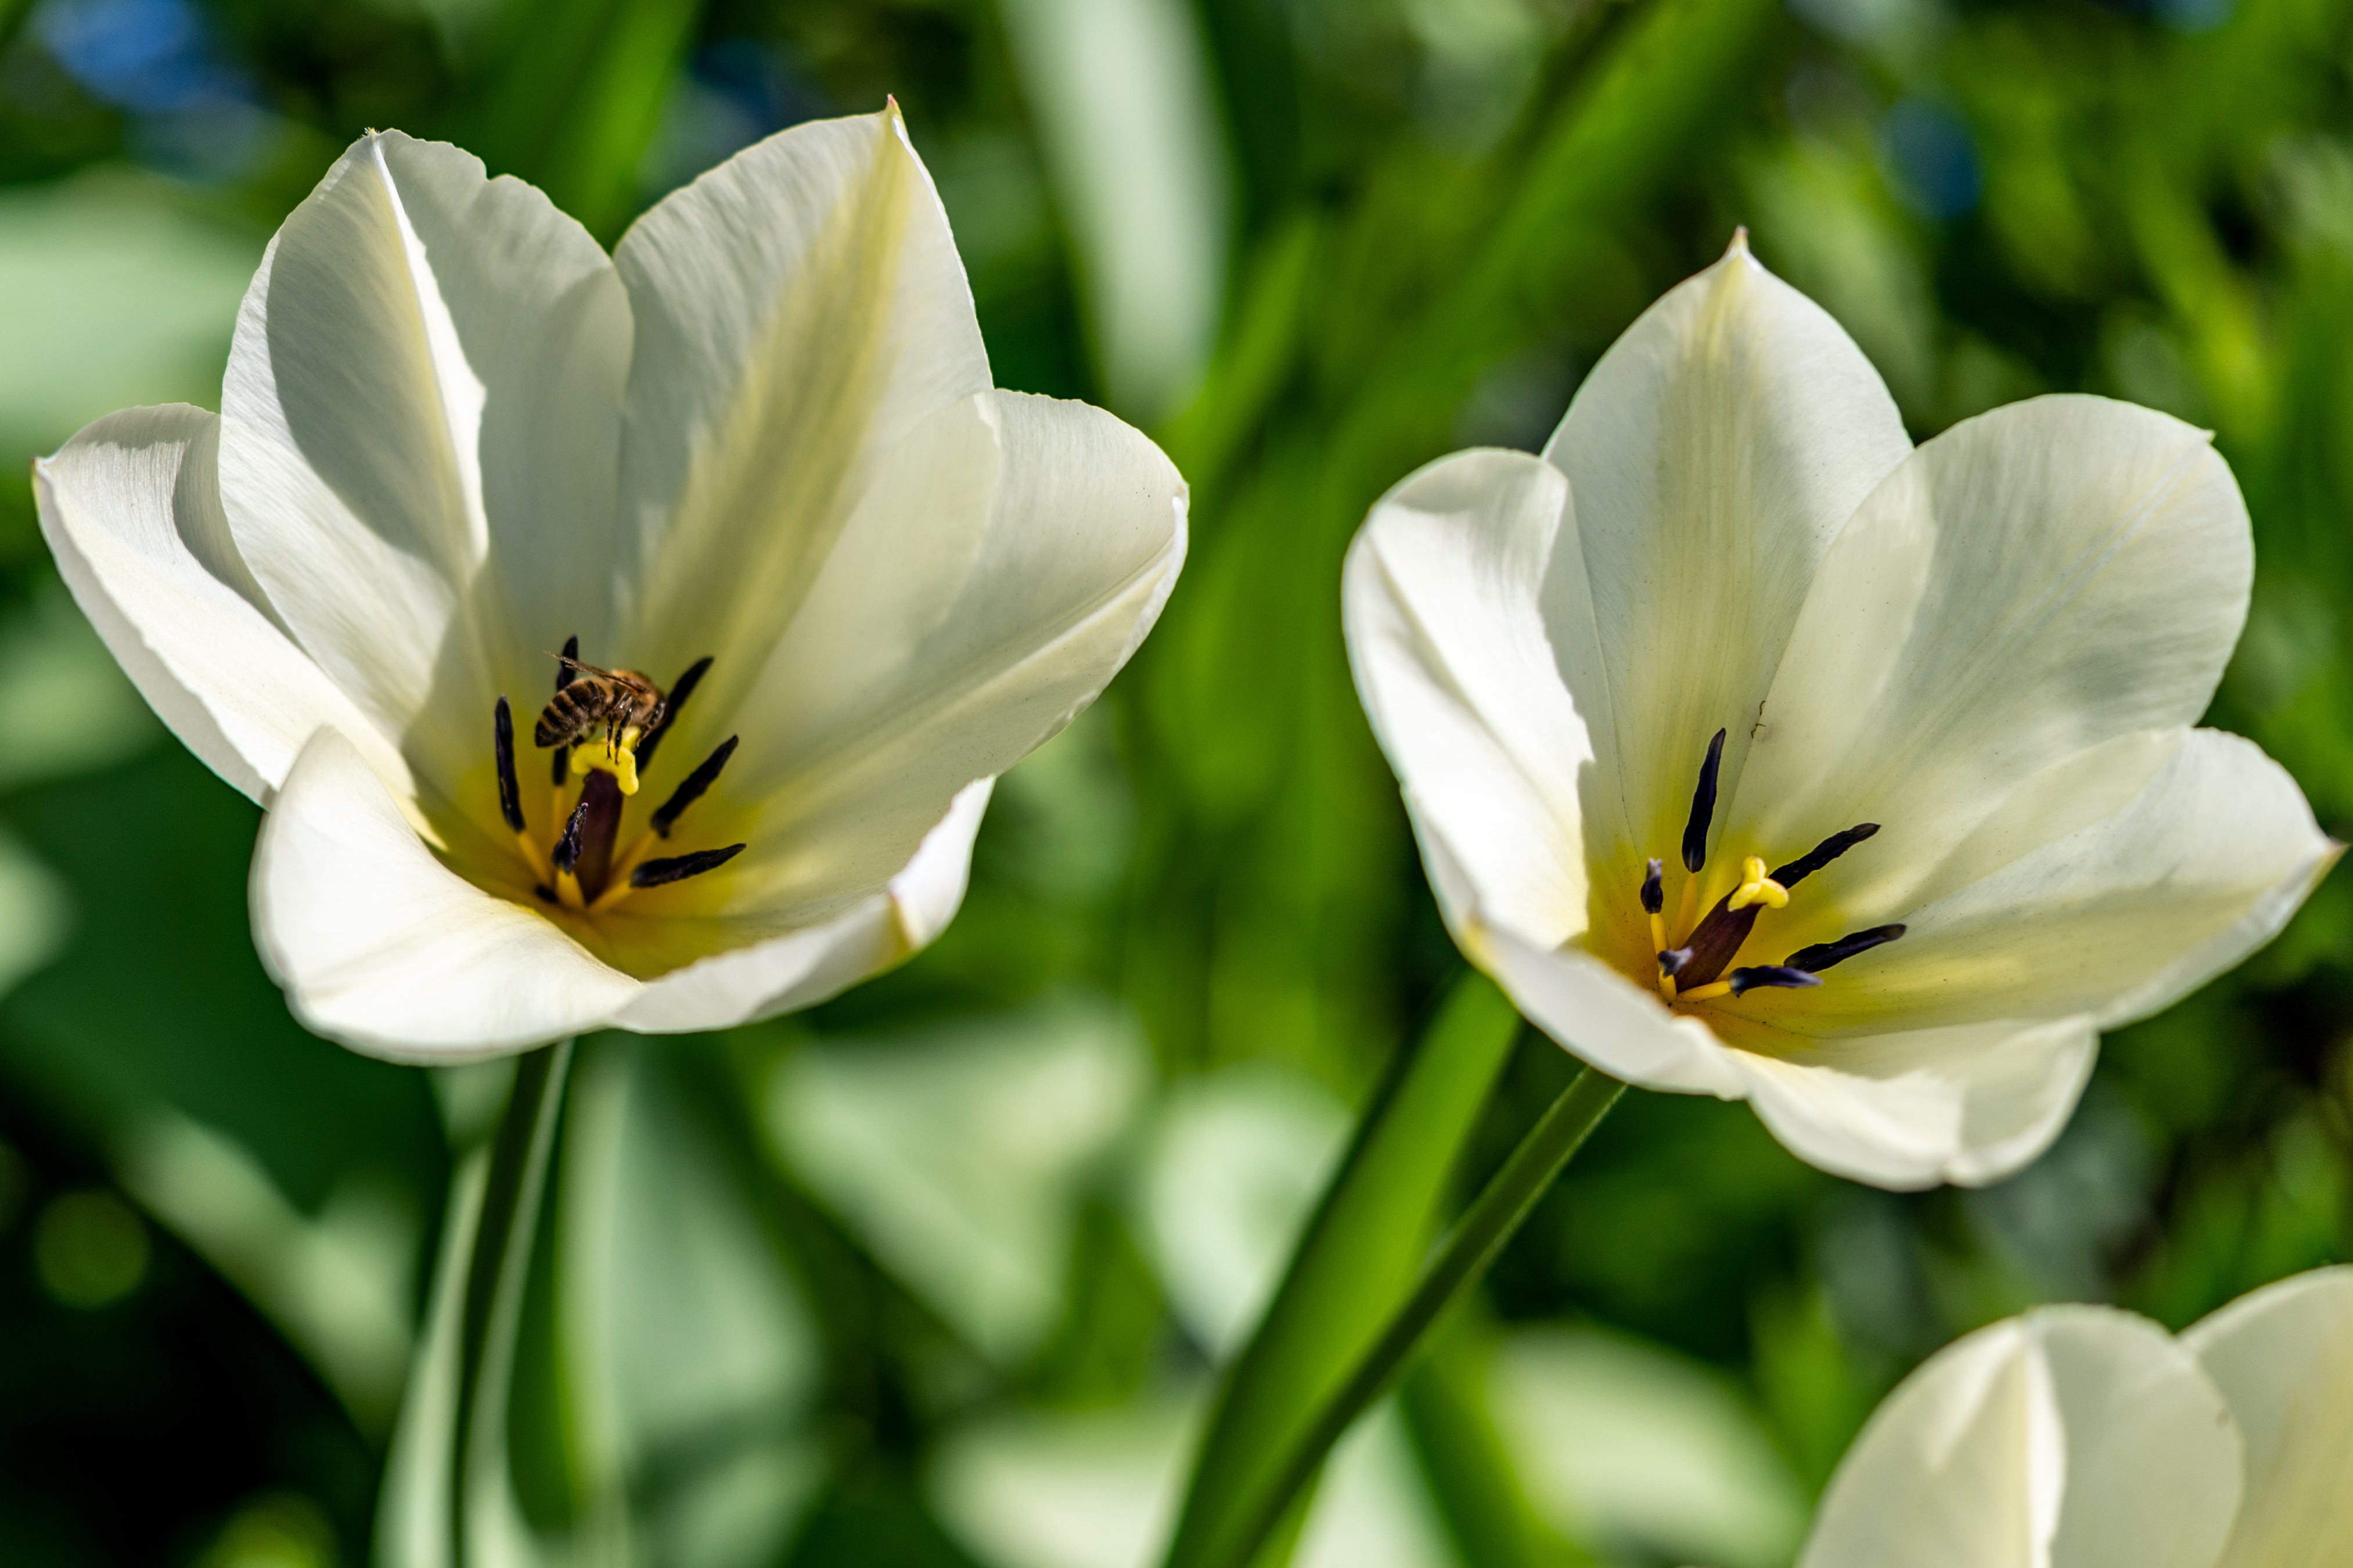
x=761, y=978
x=1601, y=1017
x=2115, y=921
x=799, y=310
x=1447, y=641
x=419, y=429
x=2283, y=1358
x=2075, y=1438
x=1968, y=1103
x=2033, y=583
x=131, y=508
x=1714, y=453
x=381, y=947
x=994, y=579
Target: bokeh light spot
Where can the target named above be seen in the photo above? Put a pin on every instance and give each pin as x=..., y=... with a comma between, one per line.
x=91, y=1248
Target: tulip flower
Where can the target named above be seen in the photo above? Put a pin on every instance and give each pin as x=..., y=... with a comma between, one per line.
x=1756, y=753
x=2083, y=1436
x=742, y=493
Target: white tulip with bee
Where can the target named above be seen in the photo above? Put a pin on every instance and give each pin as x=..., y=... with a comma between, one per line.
x=754, y=453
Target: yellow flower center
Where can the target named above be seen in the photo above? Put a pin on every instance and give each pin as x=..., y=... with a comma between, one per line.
x=574, y=863
x=1693, y=956
x=619, y=759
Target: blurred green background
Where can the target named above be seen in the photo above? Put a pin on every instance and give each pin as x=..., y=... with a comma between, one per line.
x=937, y=1273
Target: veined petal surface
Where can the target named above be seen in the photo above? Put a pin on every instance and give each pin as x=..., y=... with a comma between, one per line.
x=2282, y=1357
x=2112, y=922
x=2032, y=583
x=2074, y=1437
x=997, y=573
x=800, y=309
x=756, y=970
x=1714, y=453
x=418, y=433
x=383, y=948
x=130, y=508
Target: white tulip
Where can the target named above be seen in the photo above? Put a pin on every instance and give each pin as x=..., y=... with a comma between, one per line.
x=455, y=435
x=2087, y=1437
x=1731, y=631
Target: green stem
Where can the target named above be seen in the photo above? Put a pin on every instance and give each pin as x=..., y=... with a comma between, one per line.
x=504, y=1235
x=1494, y=1215
x=1359, y=1258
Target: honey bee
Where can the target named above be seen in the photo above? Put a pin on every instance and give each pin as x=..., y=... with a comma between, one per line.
x=620, y=699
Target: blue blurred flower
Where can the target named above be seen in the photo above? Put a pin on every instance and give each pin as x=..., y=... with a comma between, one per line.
x=150, y=56
x=1931, y=157
x=195, y=110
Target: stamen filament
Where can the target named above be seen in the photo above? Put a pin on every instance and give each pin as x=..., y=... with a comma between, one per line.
x=1746, y=980
x=1826, y=954
x=678, y=868
x=691, y=789
x=502, y=746
x=1702, y=810
x=681, y=689
x=567, y=854
x=1654, y=900
x=564, y=678
x=1822, y=854
x=1672, y=962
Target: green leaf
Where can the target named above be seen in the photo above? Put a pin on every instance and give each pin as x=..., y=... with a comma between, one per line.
x=573, y=94
x=1472, y=1472
x=1359, y=1258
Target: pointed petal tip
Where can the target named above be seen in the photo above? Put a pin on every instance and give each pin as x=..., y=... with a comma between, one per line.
x=1739, y=246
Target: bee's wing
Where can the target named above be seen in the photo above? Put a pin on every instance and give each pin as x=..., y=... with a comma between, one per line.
x=582, y=665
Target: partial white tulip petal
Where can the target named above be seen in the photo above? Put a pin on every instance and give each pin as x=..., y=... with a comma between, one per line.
x=799, y=309
x=381, y=947
x=1447, y=640
x=2074, y=1438
x=2152, y=1457
x=745, y=980
x=1969, y=1103
x=419, y=430
x=131, y=508
x=2031, y=583
x=929, y=890
x=990, y=583
x=1592, y=1010
x=1714, y=453
x=2115, y=921
x=2283, y=1358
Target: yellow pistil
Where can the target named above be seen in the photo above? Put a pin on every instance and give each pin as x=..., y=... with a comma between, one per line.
x=1756, y=888
x=567, y=889
x=1666, y=985
x=1708, y=992
x=620, y=760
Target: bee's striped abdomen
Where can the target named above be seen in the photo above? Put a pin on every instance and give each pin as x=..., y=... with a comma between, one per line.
x=572, y=711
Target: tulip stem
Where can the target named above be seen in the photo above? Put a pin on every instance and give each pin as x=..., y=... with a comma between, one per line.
x=1477, y=1237
x=505, y=1233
